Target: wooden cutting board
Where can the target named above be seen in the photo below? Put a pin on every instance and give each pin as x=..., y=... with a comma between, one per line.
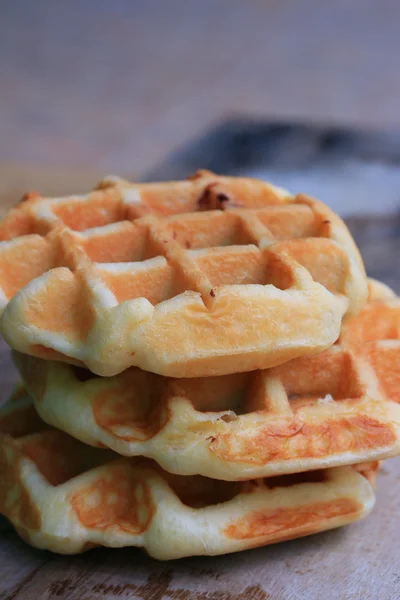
x=361, y=561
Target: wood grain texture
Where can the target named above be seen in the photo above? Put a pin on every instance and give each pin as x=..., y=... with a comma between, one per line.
x=361, y=561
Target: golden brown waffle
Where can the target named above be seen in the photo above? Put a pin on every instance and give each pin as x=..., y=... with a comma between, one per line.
x=66, y=497
x=334, y=408
x=208, y=276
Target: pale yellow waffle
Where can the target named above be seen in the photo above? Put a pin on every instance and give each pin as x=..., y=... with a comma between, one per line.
x=66, y=497
x=208, y=276
x=337, y=407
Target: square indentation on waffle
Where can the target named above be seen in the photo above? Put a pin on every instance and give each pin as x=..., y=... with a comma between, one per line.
x=66, y=497
x=326, y=377
x=193, y=242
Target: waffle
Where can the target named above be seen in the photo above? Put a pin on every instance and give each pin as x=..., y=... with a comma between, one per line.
x=334, y=408
x=177, y=278
x=66, y=497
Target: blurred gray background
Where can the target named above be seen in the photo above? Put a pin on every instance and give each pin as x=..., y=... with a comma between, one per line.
x=92, y=87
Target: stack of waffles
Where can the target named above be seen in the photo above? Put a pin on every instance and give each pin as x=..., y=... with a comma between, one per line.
x=205, y=368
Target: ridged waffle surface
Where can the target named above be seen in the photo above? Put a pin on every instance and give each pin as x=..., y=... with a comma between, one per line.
x=337, y=407
x=66, y=497
x=209, y=276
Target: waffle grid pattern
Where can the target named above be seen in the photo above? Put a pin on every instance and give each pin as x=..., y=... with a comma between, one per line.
x=126, y=274
x=63, y=496
x=341, y=406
